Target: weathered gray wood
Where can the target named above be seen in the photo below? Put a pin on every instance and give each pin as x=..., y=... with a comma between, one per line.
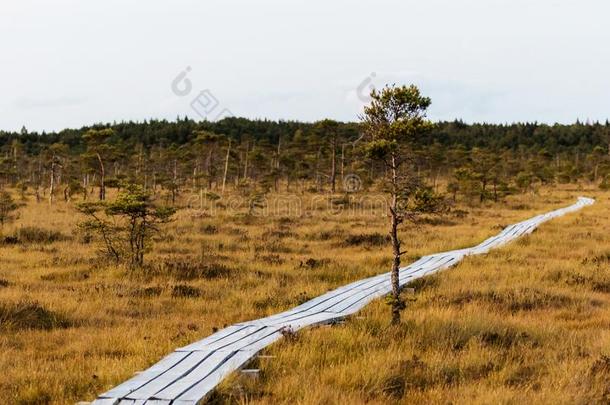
x=137, y=381
x=185, y=383
x=205, y=386
x=190, y=362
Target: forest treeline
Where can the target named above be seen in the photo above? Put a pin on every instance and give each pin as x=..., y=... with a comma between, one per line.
x=473, y=161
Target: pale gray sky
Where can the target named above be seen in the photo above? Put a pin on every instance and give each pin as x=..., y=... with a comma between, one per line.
x=67, y=63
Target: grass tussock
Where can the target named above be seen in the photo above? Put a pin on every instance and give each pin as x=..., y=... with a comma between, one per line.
x=146, y=292
x=33, y=234
x=25, y=315
x=185, y=291
x=369, y=240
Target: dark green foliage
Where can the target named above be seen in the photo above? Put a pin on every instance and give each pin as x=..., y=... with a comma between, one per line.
x=127, y=224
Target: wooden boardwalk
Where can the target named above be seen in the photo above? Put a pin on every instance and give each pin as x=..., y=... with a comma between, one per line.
x=190, y=373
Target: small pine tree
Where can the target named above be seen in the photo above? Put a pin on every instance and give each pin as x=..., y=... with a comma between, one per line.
x=127, y=224
x=395, y=119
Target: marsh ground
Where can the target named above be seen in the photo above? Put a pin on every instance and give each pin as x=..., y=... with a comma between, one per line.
x=528, y=322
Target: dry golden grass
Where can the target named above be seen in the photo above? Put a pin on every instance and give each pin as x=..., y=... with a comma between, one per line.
x=527, y=323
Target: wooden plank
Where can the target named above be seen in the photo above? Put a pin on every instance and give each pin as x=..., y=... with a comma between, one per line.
x=222, y=334
x=207, y=345
x=307, y=319
x=140, y=379
x=205, y=386
x=190, y=362
x=255, y=342
x=210, y=367
x=363, y=297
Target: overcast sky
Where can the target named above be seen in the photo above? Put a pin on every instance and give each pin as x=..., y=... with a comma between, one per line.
x=68, y=63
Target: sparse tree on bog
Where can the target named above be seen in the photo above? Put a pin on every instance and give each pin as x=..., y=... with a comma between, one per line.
x=98, y=153
x=329, y=130
x=393, y=122
x=55, y=156
x=127, y=224
x=208, y=143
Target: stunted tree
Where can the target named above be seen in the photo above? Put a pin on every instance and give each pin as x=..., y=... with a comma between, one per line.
x=55, y=155
x=329, y=131
x=226, y=166
x=208, y=143
x=99, y=151
x=127, y=224
x=485, y=169
x=393, y=122
x=597, y=158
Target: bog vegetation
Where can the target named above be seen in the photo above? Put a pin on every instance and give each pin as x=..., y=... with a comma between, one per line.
x=120, y=242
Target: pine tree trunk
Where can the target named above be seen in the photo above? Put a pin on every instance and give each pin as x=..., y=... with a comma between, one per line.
x=333, y=166
x=342, y=162
x=224, y=177
x=246, y=163
x=52, y=184
x=102, y=178
x=85, y=185
x=209, y=164
x=395, y=221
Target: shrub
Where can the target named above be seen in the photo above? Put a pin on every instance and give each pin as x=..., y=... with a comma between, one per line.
x=273, y=246
x=601, y=366
x=209, y=229
x=270, y=259
x=185, y=291
x=32, y=234
x=373, y=239
x=127, y=225
x=601, y=259
x=277, y=234
x=327, y=235
x=147, y=292
x=312, y=263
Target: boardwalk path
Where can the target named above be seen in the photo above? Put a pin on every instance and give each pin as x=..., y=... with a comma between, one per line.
x=190, y=373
